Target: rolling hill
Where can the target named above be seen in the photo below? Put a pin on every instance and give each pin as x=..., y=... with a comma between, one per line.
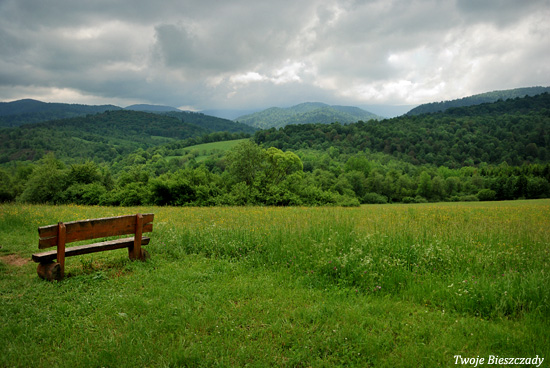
x=487, y=97
x=30, y=111
x=306, y=113
x=104, y=136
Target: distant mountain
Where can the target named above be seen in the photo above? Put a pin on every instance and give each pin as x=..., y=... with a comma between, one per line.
x=229, y=113
x=29, y=111
x=17, y=113
x=388, y=111
x=151, y=108
x=306, y=113
x=211, y=123
x=478, y=99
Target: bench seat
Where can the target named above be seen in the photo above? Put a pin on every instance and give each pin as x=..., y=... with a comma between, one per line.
x=89, y=248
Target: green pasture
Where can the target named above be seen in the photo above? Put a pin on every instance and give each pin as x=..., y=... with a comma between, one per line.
x=205, y=150
x=372, y=286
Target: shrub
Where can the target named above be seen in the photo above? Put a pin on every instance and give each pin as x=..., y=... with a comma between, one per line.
x=420, y=199
x=487, y=195
x=469, y=198
x=133, y=194
x=86, y=194
x=374, y=198
x=46, y=183
x=6, y=187
x=347, y=201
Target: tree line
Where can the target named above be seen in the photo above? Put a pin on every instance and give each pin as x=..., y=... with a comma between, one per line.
x=249, y=174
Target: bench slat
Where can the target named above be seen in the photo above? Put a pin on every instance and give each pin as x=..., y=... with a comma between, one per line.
x=92, y=229
x=88, y=248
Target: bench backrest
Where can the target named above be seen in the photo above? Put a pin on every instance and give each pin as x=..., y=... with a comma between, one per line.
x=93, y=229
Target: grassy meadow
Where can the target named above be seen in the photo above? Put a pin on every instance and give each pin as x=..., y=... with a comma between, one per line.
x=207, y=150
x=378, y=285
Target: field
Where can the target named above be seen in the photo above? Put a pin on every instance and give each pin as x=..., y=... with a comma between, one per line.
x=378, y=285
x=206, y=150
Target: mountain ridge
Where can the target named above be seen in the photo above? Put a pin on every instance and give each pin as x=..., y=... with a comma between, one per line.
x=478, y=99
x=152, y=108
x=306, y=113
x=30, y=111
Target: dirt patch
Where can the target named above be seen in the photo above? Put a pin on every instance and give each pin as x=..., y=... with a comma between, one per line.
x=14, y=260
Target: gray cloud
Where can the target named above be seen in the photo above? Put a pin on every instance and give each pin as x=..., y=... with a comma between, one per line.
x=244, y=53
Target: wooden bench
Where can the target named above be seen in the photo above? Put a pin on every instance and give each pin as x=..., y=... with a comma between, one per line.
x=63, y=233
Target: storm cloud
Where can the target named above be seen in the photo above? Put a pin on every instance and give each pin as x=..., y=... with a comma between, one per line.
x=246, y=54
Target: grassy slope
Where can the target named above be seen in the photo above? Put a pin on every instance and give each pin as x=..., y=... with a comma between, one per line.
x=394, y=285
x=206, y=150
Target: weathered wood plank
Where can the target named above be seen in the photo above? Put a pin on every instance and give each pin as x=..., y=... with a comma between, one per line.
x=135, y=252
x=61, y=240
x=93, y=229
x=89, y=248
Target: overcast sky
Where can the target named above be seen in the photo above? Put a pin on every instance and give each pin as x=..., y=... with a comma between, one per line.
x=205, y=54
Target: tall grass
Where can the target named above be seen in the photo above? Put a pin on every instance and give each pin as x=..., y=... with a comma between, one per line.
x=488, y=260
x=381, y=285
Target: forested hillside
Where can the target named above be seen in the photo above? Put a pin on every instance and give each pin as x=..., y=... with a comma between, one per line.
x=487, y=97
x=306, y=113
x=29, y=111
x=514, y=131
x=105, y=136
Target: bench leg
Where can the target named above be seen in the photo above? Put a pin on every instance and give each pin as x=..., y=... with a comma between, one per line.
x=144, y=255
x=50, y=271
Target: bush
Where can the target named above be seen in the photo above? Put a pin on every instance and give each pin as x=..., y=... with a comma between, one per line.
x=347, y=201
x=487, y=195
x=174, y=192
x=274, y=195
x=469, y=198
x=86, y=194
x=47, y=182
x=133, y=194
x=6, y=188
x=420, y=199
x=374, y=198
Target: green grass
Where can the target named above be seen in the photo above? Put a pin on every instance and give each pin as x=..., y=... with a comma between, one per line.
x=205, y=150
x=388, y=285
